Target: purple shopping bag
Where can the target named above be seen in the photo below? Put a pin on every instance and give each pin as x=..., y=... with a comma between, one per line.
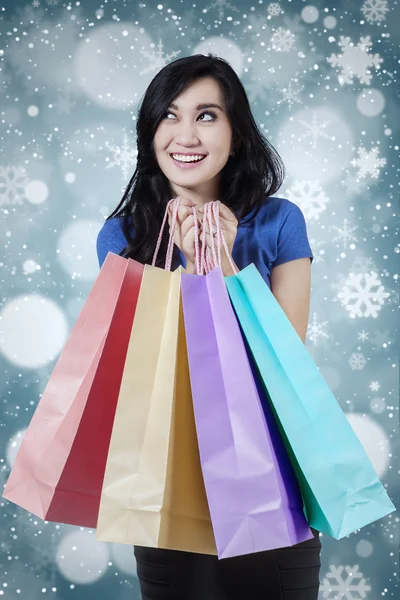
x=253, y=495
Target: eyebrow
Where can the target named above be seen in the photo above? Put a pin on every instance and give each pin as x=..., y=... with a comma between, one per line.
x=199, y=106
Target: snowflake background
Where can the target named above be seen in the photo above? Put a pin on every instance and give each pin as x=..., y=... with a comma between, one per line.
x=321, y=79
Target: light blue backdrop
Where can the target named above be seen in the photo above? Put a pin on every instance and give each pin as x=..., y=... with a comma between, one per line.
x=321, y=79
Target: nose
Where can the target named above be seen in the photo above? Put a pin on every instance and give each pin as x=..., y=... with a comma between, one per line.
x=185, y=134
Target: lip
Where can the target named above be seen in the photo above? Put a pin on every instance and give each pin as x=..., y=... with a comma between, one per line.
x=188, y=165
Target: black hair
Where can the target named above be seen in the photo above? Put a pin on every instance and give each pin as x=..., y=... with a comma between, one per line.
x=254, y=173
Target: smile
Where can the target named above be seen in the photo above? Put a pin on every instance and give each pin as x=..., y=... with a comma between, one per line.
x=186, y=163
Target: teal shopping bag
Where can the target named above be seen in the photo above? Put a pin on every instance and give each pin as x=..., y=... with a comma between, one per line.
x=340, y=488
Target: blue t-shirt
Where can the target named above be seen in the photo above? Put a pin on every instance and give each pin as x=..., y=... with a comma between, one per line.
x=276, y=235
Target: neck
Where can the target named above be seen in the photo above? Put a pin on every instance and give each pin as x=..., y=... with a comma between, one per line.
x=198, y=196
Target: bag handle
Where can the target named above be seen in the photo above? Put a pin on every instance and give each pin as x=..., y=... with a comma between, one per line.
x=168, y=259
x=206, y=258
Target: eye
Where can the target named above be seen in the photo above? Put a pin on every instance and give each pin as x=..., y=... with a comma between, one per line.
x=207, y=112
x=210, y=113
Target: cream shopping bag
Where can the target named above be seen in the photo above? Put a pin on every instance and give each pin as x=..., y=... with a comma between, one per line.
x=153, y=491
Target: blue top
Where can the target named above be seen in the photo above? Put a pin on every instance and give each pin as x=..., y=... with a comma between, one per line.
x=276, y=235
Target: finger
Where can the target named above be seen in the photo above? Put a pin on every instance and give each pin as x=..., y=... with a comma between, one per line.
x=213, y=222
x=188, y=237
x=206, y=221
x=172, y=206
x=187, y=225
x=208, y=243
x=188, y=214
x=226, y=213
x=183, y=213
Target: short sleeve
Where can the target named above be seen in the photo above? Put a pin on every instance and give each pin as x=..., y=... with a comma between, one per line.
x=292, y=236
x=110, y=239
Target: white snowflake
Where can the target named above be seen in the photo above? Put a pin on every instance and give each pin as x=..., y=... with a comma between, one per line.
x=221, y=6
x=357, y=361
x=316, y=330
x=123, y=157
x=344, y=586
x=375, y=10
x=355, y=60
x=363, y=335
x=282, y=40
x=52, y=2
x=274, y=9
x=290, y=95
x=345, y=233
x=157, y=60
x=354, y=295
x=368, y=163
x=35, y=3
x=315, y=130
x=374, y=386
x=12, y=185
x=309, y=195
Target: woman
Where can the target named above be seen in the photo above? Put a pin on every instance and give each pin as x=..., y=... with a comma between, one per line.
x=197, y=139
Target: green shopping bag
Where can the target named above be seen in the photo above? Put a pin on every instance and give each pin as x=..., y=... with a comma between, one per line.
x=340, y=488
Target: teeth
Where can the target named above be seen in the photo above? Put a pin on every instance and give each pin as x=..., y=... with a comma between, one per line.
x=183, y=158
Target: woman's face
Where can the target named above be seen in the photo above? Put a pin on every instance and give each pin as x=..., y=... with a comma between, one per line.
x=188, y=129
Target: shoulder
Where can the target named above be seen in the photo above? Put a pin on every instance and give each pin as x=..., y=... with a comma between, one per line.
x=273, y=212
x=279, y=209
x=291, y=214
x=110, y=238
x=111, y=230
x=280, y=228
x=292, y=237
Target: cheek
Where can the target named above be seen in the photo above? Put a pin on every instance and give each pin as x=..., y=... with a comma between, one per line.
x=221, y=140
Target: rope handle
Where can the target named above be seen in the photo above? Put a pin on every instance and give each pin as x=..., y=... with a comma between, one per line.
x=206, y=258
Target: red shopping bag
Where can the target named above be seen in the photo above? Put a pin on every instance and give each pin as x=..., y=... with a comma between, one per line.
x=59, y=469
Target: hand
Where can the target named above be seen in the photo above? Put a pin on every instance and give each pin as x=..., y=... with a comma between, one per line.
x=184, y=230
x=228, y=224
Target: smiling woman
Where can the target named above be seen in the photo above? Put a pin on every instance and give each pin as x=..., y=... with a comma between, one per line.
x=194, y=106
x=197, y=139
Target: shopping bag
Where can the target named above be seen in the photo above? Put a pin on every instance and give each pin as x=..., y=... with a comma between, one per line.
x=153, y=492
x=254, y=499
x=339, y=485
x=58, y=471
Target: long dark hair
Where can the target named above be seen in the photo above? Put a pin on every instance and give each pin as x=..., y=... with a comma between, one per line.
x=255, y=172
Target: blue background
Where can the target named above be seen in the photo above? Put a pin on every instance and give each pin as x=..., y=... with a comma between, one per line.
x=321, y=79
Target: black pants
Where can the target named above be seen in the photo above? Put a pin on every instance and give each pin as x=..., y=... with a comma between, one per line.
x=290, y=573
